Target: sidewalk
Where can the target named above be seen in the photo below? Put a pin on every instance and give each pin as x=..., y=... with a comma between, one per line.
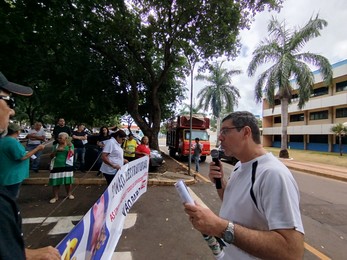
x=170, y=178
x=324, y=170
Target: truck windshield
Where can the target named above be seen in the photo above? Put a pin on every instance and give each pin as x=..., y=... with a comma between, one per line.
x=201, y=134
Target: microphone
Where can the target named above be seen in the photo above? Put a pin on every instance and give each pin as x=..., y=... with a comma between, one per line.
x=215, y=159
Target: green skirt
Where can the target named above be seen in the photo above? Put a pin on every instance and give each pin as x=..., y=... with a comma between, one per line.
x=61, y=176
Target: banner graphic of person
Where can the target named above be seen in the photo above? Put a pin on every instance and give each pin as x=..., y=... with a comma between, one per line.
x=97, y=234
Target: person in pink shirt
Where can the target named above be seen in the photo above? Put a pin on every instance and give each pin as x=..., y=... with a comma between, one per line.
x=143, y=148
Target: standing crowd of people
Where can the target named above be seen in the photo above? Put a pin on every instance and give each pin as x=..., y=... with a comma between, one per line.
x=259, y=216
x=68, y=155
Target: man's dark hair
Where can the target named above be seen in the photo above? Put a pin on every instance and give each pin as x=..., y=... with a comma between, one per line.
x=197, y=139
x=245, y=118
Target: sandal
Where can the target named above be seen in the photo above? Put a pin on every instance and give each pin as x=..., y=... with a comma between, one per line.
x=52, y=201
x=71, y=197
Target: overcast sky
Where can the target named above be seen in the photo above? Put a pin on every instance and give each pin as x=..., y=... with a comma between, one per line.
x=332, y=43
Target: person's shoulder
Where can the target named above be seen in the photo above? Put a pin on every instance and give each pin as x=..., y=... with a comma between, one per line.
x=9, y=140
x=66, y=129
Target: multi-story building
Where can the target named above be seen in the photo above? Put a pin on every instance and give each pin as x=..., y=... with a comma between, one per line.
x=309, y=128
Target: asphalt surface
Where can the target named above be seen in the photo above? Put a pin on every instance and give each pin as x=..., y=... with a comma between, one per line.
x=162, y=231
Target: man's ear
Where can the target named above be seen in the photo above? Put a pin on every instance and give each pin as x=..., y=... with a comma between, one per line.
x=247, y=131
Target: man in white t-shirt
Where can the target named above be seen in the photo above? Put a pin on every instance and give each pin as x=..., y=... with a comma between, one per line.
x=260, y=215
x=36, y=136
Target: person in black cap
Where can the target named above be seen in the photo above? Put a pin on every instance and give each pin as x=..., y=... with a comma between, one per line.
x=7, y=102
x=11, y=236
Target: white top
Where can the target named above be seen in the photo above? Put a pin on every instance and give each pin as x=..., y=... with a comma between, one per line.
x=115, y=155
x=41, y=132
x=197, y=148
x=276, y=193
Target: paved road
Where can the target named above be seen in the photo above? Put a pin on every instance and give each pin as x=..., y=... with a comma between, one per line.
x=162, y=230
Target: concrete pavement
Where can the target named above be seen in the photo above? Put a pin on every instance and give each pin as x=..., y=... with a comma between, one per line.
x=324, y=170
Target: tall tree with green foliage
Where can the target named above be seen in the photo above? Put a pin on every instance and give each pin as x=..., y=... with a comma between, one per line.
x=101, y=57
x=340, y=130
x=220, y=93
x=283, y=47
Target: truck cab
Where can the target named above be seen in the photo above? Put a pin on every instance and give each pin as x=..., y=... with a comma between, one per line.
x=178, y=135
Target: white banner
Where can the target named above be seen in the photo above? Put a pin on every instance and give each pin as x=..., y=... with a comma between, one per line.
x=97, y=234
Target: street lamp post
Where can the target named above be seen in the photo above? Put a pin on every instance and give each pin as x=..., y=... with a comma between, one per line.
x=191, y=117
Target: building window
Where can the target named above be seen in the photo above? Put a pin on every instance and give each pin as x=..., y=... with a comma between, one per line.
x=320, y=91
x=277, y=138
x=296, y=118
x=341, y=112
x=296, y=138
x=323, y=139
x=277, y=120
x=341, y=86
x=277, y=102
x=319, y=115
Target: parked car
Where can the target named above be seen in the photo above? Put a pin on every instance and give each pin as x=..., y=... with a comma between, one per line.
x=23, y=135
x=230, y=159
x=155, y=158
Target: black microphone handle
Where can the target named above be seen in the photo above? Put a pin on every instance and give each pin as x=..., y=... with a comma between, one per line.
x=217, y=180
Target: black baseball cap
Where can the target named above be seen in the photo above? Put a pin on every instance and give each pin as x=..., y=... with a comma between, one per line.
x=13, y=87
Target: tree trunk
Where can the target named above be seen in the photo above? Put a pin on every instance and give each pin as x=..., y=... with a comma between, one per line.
x=340, y=144
x=152, y=127
x=284, y=137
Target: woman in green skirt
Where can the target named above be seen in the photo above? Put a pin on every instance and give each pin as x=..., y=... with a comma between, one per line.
x=62, y=171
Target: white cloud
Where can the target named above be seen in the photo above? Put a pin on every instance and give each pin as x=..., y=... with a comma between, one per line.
x=332, y=43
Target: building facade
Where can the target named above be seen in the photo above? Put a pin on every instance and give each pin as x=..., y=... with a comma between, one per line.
x=309, y=128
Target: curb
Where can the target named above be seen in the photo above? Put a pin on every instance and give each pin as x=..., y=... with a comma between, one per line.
x=77, y=181
x=152, y=181
x=317, y=173
x=102, y=181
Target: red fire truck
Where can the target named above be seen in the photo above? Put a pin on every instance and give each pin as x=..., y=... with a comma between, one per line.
x=178, y=134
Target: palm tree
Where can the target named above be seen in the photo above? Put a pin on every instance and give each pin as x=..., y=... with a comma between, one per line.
x=220, y=93
x=186, y=109
x=282, y=47
x=340, y=130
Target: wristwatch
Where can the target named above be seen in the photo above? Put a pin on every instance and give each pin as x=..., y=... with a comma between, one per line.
x=228, y=234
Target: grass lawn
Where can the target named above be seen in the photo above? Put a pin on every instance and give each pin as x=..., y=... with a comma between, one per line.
x=313, y=156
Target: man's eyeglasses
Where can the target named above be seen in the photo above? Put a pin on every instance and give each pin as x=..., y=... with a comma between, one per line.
x=226, y=130
x=10, y=101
